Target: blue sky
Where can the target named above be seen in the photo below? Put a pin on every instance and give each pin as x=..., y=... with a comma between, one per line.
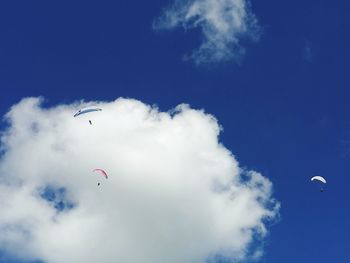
x=283, y=106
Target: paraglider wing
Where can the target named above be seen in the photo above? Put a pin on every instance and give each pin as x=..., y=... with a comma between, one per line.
x=102, y=172
x=319, y=178
x=84, y=111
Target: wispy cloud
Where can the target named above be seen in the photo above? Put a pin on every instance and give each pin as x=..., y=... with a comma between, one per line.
x=307, y=51
x=174, y=194
x=224, y=23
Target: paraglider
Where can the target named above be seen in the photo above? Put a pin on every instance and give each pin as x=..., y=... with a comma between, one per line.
x=86, y=110
x=319, y=178
x=101, y=172
x=320, y=181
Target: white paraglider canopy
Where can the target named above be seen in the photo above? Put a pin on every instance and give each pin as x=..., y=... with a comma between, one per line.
x=319, y=178
x=86, y=110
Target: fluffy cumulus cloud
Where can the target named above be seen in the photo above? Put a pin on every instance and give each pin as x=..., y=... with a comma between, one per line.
x=174, y=194
x=224, y=23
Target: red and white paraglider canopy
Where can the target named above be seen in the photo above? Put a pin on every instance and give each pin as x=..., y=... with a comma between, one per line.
x=102, y=172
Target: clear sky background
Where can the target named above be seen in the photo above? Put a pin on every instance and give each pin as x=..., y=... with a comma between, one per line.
x=283, y=105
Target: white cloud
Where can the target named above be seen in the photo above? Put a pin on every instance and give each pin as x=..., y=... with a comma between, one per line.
x=223, y=23
x=174, y=193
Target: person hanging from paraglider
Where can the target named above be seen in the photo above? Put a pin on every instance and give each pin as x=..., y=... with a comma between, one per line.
x=98, y=184
x=90, y=122
x=321, y=182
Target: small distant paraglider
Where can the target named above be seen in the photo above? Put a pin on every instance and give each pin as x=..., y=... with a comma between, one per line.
x=320, y=180
x=86, y=110
x=101, y=172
